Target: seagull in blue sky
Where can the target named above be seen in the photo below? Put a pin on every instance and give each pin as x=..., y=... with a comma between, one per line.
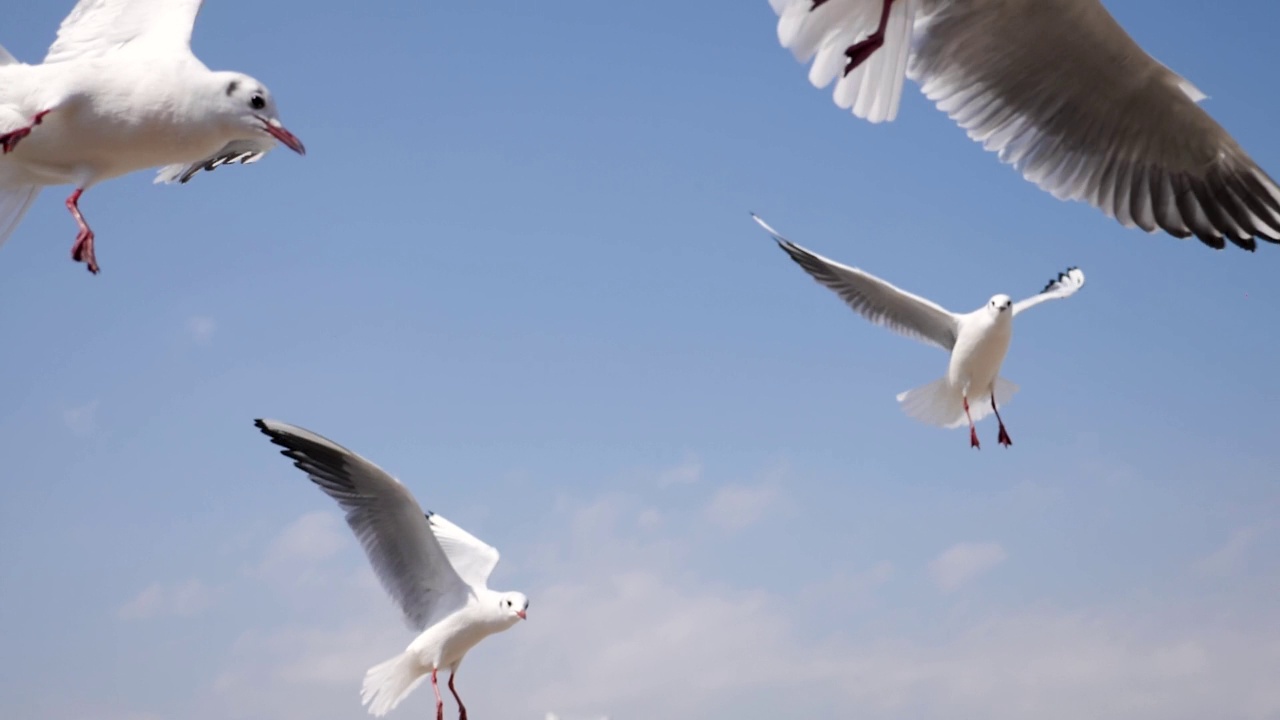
x=977, y=341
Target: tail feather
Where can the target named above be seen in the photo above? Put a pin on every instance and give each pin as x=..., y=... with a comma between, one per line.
x=941, y=403
x=14, y=202
x=387, y=683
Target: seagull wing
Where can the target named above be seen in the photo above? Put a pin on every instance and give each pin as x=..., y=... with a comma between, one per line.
x=875, y=299
x=243, y=152
x=1062, y=93
x=1065, y=285
x=96, y=27
x=396, y=535
x=473, y=560
x=1065, y=95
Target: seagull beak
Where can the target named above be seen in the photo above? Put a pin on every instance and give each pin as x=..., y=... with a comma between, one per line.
x=521, y=614
x=277, y=131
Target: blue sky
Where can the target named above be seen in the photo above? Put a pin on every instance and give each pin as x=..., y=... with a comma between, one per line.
x=516, y=269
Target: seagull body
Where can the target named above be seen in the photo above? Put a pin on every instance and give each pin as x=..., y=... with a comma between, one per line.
x=978, y=341
x=1060, y=91
x=435, y=571
x=120, y=91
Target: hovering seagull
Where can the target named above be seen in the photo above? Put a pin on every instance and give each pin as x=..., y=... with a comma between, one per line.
x=121, y=91
x=1060, y=91
x=977, y=341
x=435, y=571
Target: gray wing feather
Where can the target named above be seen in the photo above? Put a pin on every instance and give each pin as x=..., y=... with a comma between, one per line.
x=874, y=299
x=1060, y=91
x=388, y=522
x=243, y=152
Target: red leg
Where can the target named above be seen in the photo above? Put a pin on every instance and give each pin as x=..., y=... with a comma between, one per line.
x=462, y=709
x=1004, y=435
x=9, y=140
x=82, y=251
x=439, y=700
x=863, y=49
x=973, y=432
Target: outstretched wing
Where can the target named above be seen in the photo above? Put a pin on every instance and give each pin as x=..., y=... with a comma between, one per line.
x=243, y=152
x=472, y=559
x=875, y=299
x=1060, y=91
x=397, y=537
x=96, y=27
x=1065, y=285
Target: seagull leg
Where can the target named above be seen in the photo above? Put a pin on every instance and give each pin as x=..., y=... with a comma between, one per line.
x=439, y=700
x=864, y=48
x=9, y=140
x=1004, y=434
x=973, y=432
x=462, y=709
x=82, y=251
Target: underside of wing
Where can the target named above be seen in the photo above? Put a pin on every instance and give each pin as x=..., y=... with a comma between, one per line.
x=873, y=298
x=242, y=152
x=388, y=522
x=1062, y=93
x=471, y=558
x=1065, y=285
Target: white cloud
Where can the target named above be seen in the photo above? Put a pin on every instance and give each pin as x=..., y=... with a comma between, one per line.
x=1230, y=558
x=624, y=621
x=305, y=542
x=201, y=328
x=158, y=599
x=82, y=420
x=736, y=507
x=686, y=473
x=962, y=563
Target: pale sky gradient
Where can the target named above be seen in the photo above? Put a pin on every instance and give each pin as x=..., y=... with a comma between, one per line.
x=516, y=268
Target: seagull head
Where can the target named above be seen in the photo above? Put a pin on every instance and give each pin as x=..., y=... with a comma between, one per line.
x=514, y=606
x=246, y=105
x=1000, y=304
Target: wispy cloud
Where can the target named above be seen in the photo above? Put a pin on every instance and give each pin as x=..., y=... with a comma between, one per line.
x=963, y=563
x=305, y=542
x=736, y=507
x=184, y=599
x=82, y=420
x=200, y=328
x=1230, y=558
x=686, y=473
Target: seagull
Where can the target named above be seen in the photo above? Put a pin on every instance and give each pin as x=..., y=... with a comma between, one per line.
x=977, y=341
x=119, y=91
x=435, y=571
x=1060, y=91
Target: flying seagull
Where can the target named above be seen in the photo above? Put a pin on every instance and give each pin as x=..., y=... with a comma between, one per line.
x=1060, y=91
x=119, y=91
x=977, y=341
x=435, y=571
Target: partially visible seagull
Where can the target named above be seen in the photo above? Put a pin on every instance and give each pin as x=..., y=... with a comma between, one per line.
x=1060, y=91
x=977, y=341
x=119, y=91
x=436, y=572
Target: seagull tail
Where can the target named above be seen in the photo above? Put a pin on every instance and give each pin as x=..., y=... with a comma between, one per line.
x=14, y=202
x=941, y=403
x=387, y=683
x=938, y=403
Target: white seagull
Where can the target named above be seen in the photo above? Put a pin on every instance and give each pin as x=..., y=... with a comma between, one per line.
x=435, y=571
x=977, y=341
x=1060, y=91
x=119, y=91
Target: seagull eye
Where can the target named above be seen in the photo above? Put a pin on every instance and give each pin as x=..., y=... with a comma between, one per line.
x=257, y=102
